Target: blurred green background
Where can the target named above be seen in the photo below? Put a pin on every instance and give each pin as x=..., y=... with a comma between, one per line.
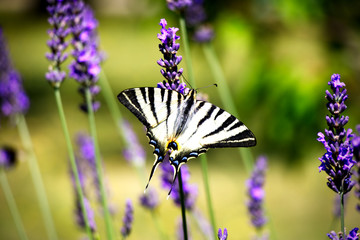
x=277, y=57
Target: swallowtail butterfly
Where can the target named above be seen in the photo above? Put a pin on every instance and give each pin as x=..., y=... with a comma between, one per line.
x=183, y=126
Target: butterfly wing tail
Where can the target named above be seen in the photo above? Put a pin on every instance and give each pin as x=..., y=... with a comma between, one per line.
x=158, y=160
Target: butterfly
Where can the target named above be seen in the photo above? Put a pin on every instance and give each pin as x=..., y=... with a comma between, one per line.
x=182, y=126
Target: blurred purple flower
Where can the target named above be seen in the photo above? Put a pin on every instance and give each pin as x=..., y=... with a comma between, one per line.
x=134, y=153
x=221, y=235
x=13, y=99
x=203, y=34
x=150, y=199
x=196, y=21
x=60, y=16
x=255, y=186
x=169, y=48
x=86, y=65
x=128, y=219
x=356, y=152
x=338, y=159
x=190, y=190
x=353, y=235
x=7, y=157
x=178, y=5
x=89, y=212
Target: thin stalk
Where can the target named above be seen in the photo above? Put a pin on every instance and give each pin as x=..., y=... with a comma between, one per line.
x=72, y=159
x=227, y=100
x=110, y=100
x=342, y=213
x=116, y=115
x=99, y=169
x=36, y=177
x=204, y=166
x=204, y=169
x=12, y=205
x=183, y=209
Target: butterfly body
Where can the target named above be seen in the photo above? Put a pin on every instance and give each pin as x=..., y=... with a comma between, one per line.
x=182, y=126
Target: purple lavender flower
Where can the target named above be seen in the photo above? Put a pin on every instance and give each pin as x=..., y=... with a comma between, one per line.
x=195, y=17
x=13, y=99
x=89, y=212
x=169, y=48
x=221, y=235
x=86, y=65
x=60, y=16
x=128, y=219
x=80, y=218
x=7, y=157
x=178, y=5
x=356, y=152
x=353, y=235
x=203, y=34
x=150, y=199
x=190, y=190
x=338, y=159
x=255, y=186
x=134, y=153
x=86, y=160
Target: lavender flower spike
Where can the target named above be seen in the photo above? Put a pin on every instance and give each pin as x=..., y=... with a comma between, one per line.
x=221, y=235
x=60, y=16
x=338, y=161
x=13, y=99
x=353, y=235
x=89, y=212
x=86, y=65
x=256, y=193
x=178, y=5
x=128, y=219
x=150, y=199
x=170, y=60
x=356, y=149
x=134, y=153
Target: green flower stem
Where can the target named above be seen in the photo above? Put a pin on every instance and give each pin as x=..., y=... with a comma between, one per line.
x=36, y=177
x=72, y=159
x=116, y=115
x=342, y=212
x=99, y=168
x=187, y=54
x=183, y=209
x=185, y=42
x=225, y=94
x=12, y=205
x=204, y=166
x=110, y=100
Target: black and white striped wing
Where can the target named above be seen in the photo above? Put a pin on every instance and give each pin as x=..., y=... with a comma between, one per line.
x=212, y=127
x=151, y=106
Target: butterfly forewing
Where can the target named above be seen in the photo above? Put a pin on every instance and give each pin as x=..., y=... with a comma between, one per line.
x=151, y=106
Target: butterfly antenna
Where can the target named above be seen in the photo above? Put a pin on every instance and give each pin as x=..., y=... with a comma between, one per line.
x=187, y=82
x=214, y=84
x=158, y=160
